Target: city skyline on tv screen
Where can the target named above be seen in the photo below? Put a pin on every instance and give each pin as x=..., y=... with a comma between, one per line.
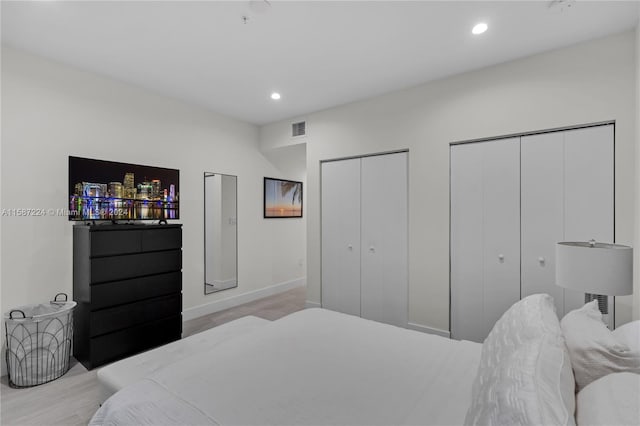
x=109, y=190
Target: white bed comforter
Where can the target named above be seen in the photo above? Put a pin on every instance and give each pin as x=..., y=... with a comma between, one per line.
x=314, y=367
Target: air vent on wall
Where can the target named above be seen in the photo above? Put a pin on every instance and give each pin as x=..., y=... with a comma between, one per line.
x=298, y=129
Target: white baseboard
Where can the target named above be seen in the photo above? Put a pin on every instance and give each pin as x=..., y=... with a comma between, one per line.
x=309, y=304
x=429, y=330
x=230, y=302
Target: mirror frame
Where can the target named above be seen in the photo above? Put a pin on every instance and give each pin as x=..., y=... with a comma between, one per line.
x=206, y=175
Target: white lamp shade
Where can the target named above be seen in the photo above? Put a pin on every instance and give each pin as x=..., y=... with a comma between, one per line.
x=599, y=268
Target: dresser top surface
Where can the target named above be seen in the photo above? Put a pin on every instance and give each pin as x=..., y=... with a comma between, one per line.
x=126, y=227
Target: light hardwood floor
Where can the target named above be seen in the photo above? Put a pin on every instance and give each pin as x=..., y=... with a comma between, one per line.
x=72, y=399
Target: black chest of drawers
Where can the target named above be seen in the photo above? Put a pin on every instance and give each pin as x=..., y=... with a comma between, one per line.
x=127, y=281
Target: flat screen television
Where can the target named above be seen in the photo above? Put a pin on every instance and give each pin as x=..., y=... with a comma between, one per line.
x=108, y=190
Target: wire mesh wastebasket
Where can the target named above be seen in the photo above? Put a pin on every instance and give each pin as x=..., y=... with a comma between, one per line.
x=38, y=340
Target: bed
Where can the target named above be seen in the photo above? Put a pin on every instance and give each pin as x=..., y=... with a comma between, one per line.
x=318, y=367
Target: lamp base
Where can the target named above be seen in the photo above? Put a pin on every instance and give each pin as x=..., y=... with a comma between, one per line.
x=603, y=301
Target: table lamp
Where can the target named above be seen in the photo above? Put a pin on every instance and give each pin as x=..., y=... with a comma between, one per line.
x=598, y=269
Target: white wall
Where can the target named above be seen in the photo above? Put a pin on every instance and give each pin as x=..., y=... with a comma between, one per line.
x=587, y=83
x=636, y=293
x=51, y=111
x=291, y=164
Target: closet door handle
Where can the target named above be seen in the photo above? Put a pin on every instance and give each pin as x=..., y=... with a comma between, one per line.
x=541, y=261
x=501, y=258
x=372, y=249
x=350, y=247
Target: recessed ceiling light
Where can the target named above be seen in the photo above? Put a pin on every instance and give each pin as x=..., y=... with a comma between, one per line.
x=275, y=96
x=479, y=28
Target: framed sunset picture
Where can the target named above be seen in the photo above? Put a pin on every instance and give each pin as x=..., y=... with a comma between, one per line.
x=282, y=198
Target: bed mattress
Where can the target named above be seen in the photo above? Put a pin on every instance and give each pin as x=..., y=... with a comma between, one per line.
x=311, y=367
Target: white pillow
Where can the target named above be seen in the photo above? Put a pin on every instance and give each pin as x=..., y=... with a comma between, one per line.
x=611, y=400
x=529, y=318
x=594, y=350
x=629, y=334
x=525, y=374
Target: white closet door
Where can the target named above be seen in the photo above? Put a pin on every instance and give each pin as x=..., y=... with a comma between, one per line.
x=466, y=239
x=485, y=235
x=542, y=198
x=501, y=207
x=341, y=236
x=384, y=224
x=589, y=193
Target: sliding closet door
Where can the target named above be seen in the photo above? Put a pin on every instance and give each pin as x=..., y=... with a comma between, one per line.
x=501, y=209
x=589, y=196
x=341, y=236
x=543, y=216
x=485, y=235
x=567, y=195
x=384, y=278
x=466, y=239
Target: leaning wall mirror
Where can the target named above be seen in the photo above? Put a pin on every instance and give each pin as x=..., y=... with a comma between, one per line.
x=220, y=232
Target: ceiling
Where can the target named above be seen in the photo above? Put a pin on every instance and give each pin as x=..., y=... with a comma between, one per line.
x=316, y=54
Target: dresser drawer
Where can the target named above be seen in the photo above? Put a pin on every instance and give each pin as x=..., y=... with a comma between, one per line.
x=133, y=314
x=162, y=239
x=134, y=265
x=112, y=346
x=115, y=242
x=126, y=291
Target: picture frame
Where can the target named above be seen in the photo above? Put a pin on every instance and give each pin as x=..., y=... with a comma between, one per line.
x=282, y=198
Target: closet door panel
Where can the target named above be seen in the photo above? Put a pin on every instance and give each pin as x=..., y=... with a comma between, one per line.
x=466, y=240
x=340, y=207
x=501, y=225
x=589, y=192
x=542, y=218
x=384, y=213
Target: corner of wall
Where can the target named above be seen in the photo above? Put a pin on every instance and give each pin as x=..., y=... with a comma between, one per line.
x=278, y=135
x=286, y=152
